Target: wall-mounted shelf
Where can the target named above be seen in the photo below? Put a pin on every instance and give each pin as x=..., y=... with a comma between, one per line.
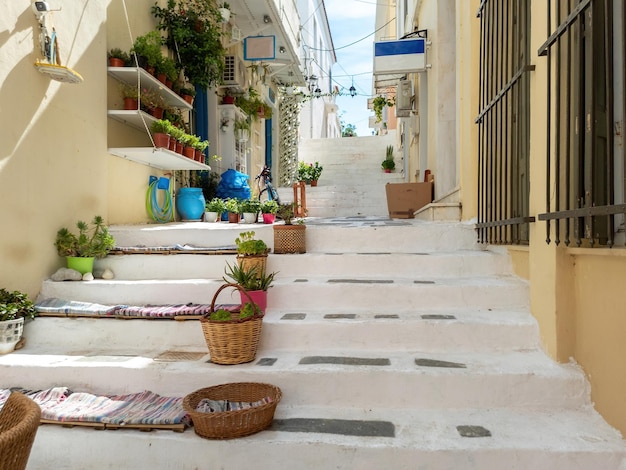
x=132, y=118
x=160, y=158
x=129, y=75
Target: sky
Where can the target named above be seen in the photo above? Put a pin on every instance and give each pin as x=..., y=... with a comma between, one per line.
x=351, y=21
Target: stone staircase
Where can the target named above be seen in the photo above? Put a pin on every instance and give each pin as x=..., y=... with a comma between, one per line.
x=398, y=344
x=352, y=182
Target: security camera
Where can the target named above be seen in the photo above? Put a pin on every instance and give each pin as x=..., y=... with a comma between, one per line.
x=40, y=9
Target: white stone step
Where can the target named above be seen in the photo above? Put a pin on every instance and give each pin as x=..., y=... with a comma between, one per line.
x=389, y=379
x=400, y=295
x=430, y=330
x=415, y=265
x=520, y=439
x=324, y=235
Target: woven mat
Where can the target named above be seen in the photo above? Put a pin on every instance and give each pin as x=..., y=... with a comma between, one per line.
x=180, y=356
x=173, y=250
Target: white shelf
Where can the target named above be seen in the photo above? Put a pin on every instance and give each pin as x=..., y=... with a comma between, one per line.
x=129, y=75
x=158, y=158
x=132, y=118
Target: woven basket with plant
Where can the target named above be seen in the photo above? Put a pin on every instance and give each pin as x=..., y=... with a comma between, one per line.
x=232, y=336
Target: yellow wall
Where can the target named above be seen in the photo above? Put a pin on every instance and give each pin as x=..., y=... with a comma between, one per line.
x=53, y=161
x=600, y=322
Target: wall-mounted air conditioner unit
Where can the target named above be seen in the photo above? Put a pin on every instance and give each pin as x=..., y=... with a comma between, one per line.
x=235, y=72
x=404, y=95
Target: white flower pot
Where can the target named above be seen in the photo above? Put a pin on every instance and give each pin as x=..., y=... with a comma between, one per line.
x=10, y=334
x=249, y=217
x=225, y=12
x=210, y=216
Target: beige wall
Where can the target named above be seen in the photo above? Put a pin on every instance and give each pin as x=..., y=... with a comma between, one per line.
x=53, y=161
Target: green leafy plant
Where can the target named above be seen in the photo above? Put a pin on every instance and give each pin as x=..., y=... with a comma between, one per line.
x=378, y=104
x=249, y=310
x=248, y=278
x=286, y=212
x=215, y=205
x=129, y=91
x=117, y=53
x=161, y=126
x=247, y=244
x=94, y=241
x=233, y=205
x=220, y=315
x=388, y=163
x=309, y=171
x=188, y=90
x=169, y=68
x=194, y=31
x=149, y=46
x=269, y=207
x=14, y=305
x=250, y=206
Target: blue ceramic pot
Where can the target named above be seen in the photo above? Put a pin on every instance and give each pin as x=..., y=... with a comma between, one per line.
x=190, y=203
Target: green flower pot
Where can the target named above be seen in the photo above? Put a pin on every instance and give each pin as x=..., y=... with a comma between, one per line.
x=81, y=264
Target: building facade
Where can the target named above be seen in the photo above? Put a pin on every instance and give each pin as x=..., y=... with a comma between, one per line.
x=520, y=115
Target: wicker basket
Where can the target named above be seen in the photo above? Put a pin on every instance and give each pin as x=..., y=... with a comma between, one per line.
x=235, y=341
x=247, y=262
x=230, y=424
x=289, y=239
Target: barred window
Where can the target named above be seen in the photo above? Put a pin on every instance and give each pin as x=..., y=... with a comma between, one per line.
x=585, y=151
x=503, y=122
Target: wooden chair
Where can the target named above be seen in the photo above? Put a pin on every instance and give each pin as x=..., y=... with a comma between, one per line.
x=19, y=420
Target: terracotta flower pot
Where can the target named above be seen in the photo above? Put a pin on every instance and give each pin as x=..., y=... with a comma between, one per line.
x=157, y=112
x=228, y=100
x=161, y=140
x=172, y=145
x=179, y=147
x=188, y=98
x=115, y=62
x=161, y=77
x=189, y=152
x=131, y=104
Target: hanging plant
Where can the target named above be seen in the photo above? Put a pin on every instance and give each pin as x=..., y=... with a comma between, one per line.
x=378, y=104
x=194, y=31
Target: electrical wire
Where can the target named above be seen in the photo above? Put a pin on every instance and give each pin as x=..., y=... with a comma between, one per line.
x=160, y=213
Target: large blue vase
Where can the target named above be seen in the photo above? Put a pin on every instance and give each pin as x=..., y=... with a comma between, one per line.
x=190, y=203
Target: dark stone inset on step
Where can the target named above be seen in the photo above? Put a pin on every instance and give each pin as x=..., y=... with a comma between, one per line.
x=473, y=431
x=344, y=427
x=423, y=282
x=340, y=316
x=361, y=281
x=391, y=316
x=266, y=361
x=438, y=317
x=334, y=253
x=301, y=280
x=293, y=316
x=377, y=253
x=435, y=363
x=345, y=361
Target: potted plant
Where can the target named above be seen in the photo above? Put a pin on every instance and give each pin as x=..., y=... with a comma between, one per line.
x=130, y=95
x=254, y=282
x=228, y=97
x=161, y=133
x=242, y=129
x=224, y=10
x=233, y=209
x=15, y=308
x=388, y=164
x=187, y=93
x=167, y=71
x=250, y=209
x=309, y=172
x=251, y=252
x=80, y=250
x=269, y=209
x=118, y=58
x=214, y=209
x=290, y=237
x=378, y=104
x=147, y=49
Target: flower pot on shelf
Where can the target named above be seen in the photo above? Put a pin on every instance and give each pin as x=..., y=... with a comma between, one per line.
x=313, y=183
x=116, y=62
x=249, y=217
x=189, y=152
x=179, y=147
x=157, y=112
x=172, y=145
x=187, y=98
x=228, y=100
x=161, y=140
x=233, y=218
x=162, y=78
x=131, y=104
x=225, y=14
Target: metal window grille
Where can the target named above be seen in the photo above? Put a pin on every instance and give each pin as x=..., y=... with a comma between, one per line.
x=503, y=122
x=581, y=160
